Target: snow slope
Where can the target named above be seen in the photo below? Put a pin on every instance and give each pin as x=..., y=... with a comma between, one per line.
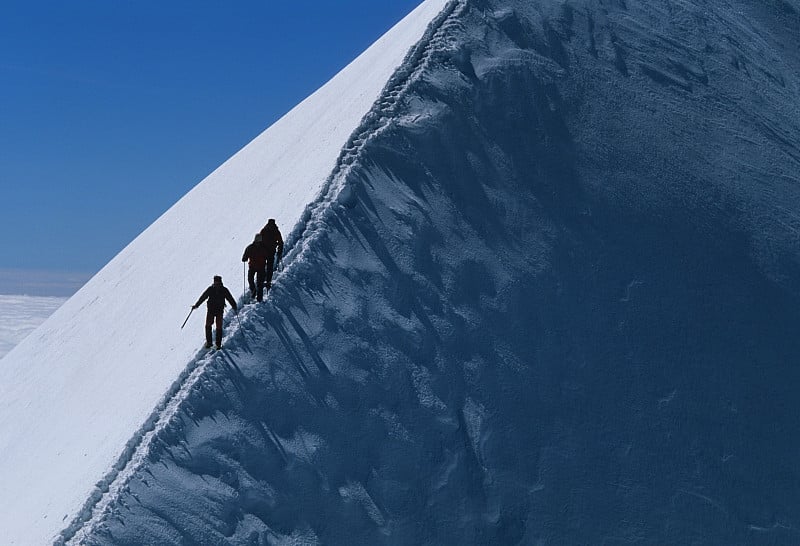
x=554, y=297
x=74, y=392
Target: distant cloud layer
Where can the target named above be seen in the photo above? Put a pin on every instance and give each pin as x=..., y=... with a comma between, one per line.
x=20, y=315
x=41, y=283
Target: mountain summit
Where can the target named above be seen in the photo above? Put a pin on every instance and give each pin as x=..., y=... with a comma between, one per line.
x=547, y=292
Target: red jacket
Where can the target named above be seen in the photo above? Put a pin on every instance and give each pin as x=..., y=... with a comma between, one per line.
x=257, y=253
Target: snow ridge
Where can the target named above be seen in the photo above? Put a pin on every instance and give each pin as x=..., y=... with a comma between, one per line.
x=299, y=241
x=374, y=123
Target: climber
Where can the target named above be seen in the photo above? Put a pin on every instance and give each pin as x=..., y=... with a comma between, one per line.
x=257, y=255
x=272, y=240
x=216, y=295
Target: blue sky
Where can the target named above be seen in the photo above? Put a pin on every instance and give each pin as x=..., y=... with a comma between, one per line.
x=111, y=111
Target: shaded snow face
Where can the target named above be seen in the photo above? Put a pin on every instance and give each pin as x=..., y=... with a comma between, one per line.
x=557, y=301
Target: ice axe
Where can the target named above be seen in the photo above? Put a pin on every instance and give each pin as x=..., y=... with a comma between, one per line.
x=187, y=317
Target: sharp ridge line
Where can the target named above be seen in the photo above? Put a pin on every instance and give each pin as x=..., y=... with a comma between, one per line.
x=107, y=490
x=373, y=123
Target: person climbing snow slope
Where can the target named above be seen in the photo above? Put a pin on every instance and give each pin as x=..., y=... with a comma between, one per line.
x=216, y=294
x=257, y=255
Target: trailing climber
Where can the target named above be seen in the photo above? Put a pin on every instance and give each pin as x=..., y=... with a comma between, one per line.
x=216, y=295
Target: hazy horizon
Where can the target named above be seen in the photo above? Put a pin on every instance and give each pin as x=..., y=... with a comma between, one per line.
x=41, y=283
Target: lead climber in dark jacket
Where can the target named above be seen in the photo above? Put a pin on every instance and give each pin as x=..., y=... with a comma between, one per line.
x=272, y=240
x=216, y=295
x=257, y=255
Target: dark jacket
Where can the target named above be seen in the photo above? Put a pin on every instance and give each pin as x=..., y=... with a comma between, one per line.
x=216, y=295
x=257, y=253
x=271, y=239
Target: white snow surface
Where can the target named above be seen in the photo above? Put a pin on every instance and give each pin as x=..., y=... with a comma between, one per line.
x=21, y=315
x=75, y=391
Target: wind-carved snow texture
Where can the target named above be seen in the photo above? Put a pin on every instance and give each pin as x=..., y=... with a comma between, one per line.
x=553, y=298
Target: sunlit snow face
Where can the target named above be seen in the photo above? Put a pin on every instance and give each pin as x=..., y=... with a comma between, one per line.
x=20, y=315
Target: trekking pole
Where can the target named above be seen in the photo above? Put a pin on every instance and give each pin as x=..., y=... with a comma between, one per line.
x=244, y=279
x=187, y=317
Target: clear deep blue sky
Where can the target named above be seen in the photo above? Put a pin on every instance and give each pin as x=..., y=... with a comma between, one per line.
x=111, y=111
